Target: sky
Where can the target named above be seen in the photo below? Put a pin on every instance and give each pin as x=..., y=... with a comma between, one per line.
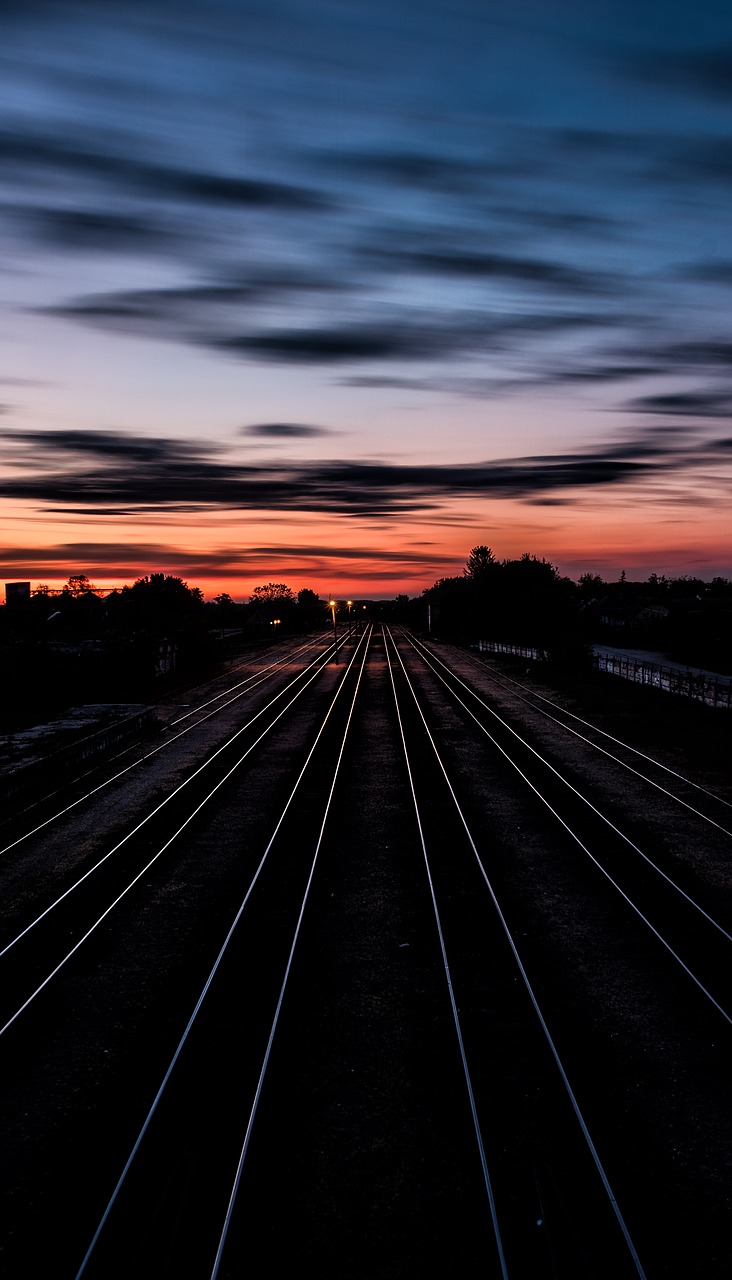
x=328, y=293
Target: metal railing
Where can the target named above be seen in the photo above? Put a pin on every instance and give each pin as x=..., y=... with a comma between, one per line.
x=520, y=650
x=701, y=686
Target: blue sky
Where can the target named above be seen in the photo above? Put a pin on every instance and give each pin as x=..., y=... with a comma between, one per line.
x=333, y=292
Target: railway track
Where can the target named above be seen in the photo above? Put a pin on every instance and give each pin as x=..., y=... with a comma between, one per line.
x=28, y=820
x=376, y=989
x=699, y=799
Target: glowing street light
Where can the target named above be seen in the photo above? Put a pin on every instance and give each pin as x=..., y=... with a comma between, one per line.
x=333, y=605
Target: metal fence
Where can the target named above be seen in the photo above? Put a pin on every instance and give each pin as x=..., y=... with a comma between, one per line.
x=700, y=686
x=520, y=650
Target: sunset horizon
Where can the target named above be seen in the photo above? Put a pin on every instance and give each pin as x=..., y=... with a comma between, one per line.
x=330, y=297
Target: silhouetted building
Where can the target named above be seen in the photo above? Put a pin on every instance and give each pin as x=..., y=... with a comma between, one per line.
x=17, y=594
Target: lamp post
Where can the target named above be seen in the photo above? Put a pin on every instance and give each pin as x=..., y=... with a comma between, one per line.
x=333, y=605
x=350, y=606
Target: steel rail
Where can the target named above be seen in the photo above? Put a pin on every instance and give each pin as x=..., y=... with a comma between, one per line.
x=275, y=1021
x=211, y=976
x=110, y=760
x=529, y=989
x=323, y=658
x=580, y=796
x=451, y=991
x=697, y=981
x=155, y=856
x=272, y=666
x=510, y=683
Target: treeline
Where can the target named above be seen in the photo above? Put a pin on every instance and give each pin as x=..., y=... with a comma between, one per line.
x=80, y=645
x=157, y=606
x=527, y=601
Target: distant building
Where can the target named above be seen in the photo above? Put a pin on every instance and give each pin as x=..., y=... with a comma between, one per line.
x=17, y=594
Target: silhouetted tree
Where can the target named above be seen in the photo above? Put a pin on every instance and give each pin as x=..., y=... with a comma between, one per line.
x=480, y=564
x=591, y=586
x=78, y=585
x=451, y=603
x=272, y=593
x=272, y=605
x=310, y=609
x=223, y=612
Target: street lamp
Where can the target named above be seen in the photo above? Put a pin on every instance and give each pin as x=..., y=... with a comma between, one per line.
x=350, y=606
x=333, y=605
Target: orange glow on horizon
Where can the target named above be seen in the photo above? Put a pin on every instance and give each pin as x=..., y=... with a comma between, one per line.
x=360, y=557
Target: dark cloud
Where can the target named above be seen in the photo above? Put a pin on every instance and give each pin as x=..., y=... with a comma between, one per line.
x=438, y=253
x=574, y=221
x=447, y=337
x=383, y=381
x=205, y=315
x=447, y=174
x=103, y=471
x=709, y=352
x=161, y=307
x=536, y=376
x=106, y=446
x=92, y=230
x=21, y=153
x=165, y=304
x=126, y=558
x=707, y=71
x=708, y=358
x=331, y=346
x=599, y=373
x=694, y=404
x=284, y=430
x=474, y=265
x=101, y=556
x=712, y=271
x=195, y=313
x=707, y=160
x=132, y=560
x=589, y=142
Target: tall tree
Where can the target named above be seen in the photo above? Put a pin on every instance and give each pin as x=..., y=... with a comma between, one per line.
x=273, y=593
x=480, y=563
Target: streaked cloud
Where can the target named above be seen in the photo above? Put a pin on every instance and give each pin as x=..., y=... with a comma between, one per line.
x=438, y=228
x=691, y=404
x=121, y=474
x=26, y=153
x=284, y=431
